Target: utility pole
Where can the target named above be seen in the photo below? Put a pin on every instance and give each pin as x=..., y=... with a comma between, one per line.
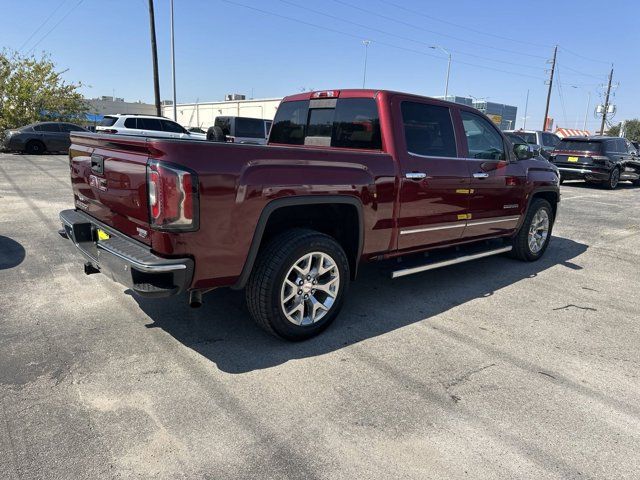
x=173, y=68
x=366, y=51
x=553, y=69
x=154, y=56
x=606, y=102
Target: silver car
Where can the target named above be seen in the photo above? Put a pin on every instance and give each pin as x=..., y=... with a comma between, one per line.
x=544, y=142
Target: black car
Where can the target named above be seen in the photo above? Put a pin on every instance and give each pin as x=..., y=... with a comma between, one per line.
x=601, y=160
x=39, y=137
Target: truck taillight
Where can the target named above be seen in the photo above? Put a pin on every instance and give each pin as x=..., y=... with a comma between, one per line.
x=326, y=94
x=173, y=197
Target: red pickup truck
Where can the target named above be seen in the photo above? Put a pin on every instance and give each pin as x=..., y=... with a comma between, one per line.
x=347, y=176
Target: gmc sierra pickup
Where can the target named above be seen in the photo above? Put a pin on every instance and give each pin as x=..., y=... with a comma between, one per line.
x=347, y=176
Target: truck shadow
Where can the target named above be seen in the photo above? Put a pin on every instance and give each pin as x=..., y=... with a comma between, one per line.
x=222, y=331
x=11, y=253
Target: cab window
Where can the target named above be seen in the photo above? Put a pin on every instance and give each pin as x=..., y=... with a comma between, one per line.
x=428, y=130
x=483, y=140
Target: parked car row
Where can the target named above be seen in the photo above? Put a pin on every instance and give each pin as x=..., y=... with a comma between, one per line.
x=39, y=137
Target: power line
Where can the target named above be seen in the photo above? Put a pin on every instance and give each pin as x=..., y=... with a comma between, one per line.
x=561, y=95
x=464, y=26
x=565, y=49
x=384, y=32
x=412, y=25
x=54, y=27
x=359, y=37
x=42, y=25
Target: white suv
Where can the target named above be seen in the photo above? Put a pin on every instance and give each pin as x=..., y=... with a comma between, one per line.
x=147, y=126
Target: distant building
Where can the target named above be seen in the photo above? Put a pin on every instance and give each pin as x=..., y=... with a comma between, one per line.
x=502, y=115
x=107, y=105
x=203, y=114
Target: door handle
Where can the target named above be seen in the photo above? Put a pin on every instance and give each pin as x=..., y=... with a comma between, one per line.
x=480, y=175
x=415, y=175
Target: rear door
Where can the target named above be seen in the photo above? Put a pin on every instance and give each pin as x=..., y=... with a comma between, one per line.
x=52, y=136
x=434, y=181
x=152, y=127
x=497, y=182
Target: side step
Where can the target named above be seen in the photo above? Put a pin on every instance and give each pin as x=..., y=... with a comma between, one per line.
x=449, y=261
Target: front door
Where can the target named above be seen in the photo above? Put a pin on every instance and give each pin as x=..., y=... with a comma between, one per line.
x=497, y=180
x=434, y=183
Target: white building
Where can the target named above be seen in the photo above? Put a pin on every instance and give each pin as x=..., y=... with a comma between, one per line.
x=203, y=114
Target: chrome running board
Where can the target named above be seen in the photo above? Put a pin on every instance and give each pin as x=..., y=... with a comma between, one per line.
x=451, y=261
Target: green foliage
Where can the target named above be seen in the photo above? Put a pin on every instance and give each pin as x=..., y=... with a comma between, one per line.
x=631, y=130
x=31, y=90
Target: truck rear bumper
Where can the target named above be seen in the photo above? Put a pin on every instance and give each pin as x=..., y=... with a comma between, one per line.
x=126, y=261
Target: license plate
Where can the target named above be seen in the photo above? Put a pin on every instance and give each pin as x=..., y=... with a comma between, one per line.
x=102, y=235
x=572, y=159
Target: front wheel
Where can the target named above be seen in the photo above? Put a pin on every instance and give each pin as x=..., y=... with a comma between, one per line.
x=298, y=284
x=532, y=239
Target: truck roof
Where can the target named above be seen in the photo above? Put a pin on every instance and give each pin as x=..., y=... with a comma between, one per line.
x=361, y=93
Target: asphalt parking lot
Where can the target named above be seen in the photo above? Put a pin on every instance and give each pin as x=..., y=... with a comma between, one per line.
x=493, y=369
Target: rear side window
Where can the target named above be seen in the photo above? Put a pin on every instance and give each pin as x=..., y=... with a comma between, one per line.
x=173, y=127
x=149, y=124
x=108, y=121
x=131, y=123
x=344, y=123
x=580, y=145
x=428, y=130
x=249, y=127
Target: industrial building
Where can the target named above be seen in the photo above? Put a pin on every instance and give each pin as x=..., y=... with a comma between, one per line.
x=108, y=105
x=203, y=114
x=502, y=115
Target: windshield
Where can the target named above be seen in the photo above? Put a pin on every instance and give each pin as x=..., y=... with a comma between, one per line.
x=579, y=145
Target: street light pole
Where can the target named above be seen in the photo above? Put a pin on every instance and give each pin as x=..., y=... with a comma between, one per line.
x=366, y=51
x=154, y=58
x=448, y=54
x=173, y=68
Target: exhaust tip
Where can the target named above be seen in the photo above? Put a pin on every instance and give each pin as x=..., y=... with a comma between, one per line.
x=195, y=298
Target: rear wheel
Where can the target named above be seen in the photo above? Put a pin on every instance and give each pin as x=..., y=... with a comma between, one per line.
x=532, y=239
x=613, y=180
x=34, y=147
x=298, y=284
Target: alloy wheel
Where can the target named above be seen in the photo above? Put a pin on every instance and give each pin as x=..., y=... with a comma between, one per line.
x=538, y=231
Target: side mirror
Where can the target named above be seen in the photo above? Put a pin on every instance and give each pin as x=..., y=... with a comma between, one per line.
x=522, y=151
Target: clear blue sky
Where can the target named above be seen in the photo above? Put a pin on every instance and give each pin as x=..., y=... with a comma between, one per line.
x=278, y=47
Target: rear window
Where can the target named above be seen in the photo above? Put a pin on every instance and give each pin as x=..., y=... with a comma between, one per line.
x=528, y=137
x=249, y=127
x=579, y=145
x=343, y=122
x=108, y=121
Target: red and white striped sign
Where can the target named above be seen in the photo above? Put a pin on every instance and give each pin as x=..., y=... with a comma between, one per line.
x=571, y=132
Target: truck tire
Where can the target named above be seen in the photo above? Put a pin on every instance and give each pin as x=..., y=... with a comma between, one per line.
x=34, y=147
x=532, y=239
x=298, y=284
x=614, y=179
x=215, y=134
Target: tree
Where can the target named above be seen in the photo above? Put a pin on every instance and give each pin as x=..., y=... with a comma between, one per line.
x=631, y=130
x=31, y=90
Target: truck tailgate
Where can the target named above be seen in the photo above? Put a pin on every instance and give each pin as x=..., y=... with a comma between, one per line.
x=109, y=180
